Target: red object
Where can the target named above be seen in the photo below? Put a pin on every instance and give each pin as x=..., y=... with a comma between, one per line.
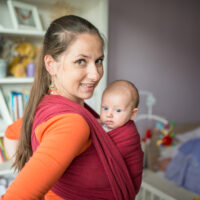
x=167, y=140
x=148, y=134
x=144, y=139
x=117, y=156
x=166, y=127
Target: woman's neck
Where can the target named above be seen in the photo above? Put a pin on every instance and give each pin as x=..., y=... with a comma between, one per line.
x=55, y=92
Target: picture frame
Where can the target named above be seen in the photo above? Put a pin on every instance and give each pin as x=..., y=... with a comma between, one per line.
x=24, y=16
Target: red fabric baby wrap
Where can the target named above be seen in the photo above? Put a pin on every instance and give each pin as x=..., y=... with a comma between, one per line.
x=98, y=173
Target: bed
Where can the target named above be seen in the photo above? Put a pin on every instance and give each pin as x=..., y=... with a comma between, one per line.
x=158, y=182
x=155, y=187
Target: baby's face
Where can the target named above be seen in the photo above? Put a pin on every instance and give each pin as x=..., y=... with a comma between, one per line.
x=116, y=110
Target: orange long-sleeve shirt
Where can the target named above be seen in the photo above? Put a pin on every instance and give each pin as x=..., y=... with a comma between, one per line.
x=61, y=140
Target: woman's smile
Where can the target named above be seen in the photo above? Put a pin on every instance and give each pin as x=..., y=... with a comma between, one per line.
x=80, y=68
x=88, y=86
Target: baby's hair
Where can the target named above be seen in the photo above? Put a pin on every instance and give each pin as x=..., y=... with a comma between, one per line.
x=132, y=88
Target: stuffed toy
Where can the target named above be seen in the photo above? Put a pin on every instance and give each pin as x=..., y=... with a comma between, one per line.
x=166, y=139
x=26, y=53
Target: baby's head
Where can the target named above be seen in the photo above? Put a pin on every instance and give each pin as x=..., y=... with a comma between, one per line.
x=119, y=104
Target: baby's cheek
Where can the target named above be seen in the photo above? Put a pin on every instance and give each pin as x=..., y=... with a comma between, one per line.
x=101, y=116
x=101, y=120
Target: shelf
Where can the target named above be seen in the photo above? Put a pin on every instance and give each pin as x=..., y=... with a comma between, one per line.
x=3, y=126
x=5, y=168
x=28, y=32
x=1, y=134
x=13, y=80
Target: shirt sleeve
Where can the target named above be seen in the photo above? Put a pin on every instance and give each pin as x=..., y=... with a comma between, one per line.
x=61, y=140
x=14, y=130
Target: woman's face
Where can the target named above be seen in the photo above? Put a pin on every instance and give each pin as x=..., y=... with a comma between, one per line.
x=80, y=68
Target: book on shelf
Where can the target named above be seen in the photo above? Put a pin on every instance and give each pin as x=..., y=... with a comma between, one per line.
x=18, y=102
x=5, y=114
x=3, y=155
x=12, y=104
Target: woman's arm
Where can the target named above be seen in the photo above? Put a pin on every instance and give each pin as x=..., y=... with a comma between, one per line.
x=61, y=140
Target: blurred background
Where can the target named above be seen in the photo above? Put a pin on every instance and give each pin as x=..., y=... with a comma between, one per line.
x=156, y=45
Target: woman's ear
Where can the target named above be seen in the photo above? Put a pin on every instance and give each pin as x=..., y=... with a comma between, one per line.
x=50, y=64
x=135, y=111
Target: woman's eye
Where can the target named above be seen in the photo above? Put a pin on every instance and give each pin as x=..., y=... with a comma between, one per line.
x=81, y=62
x=99, y=61
x=118, y=110
x=105, y=108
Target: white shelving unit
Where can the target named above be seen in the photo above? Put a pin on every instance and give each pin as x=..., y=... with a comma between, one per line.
x=6, y=85
x=5, y=168
x=32, y=33
x=12, y=80
x=10, y=83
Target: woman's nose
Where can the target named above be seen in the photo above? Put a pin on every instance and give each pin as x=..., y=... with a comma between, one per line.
x=94, y=73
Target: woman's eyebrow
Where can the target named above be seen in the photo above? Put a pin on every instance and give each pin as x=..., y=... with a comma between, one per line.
x=86, y=56
x=101, y=56
x=82, y=55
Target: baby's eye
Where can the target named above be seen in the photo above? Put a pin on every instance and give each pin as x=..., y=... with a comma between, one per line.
x=81, y=62
x=104, y=108
x=118, y=110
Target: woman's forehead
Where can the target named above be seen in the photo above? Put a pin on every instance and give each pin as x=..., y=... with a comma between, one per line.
x=86, y=43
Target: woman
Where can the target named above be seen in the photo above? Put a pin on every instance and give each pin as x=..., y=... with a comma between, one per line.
x=61, y=155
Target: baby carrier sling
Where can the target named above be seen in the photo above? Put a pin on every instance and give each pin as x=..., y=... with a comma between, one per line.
x=98, y=173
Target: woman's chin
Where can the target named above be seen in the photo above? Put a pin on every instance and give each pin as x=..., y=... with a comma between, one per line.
x=87, y=96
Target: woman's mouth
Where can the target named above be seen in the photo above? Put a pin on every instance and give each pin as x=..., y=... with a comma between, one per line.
x=88, y=86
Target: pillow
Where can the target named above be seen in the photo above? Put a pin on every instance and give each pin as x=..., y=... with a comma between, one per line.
x=153, y=152
x=189, y=135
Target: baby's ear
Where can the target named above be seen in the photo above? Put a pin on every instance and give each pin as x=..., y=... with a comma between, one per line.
x=135, y=111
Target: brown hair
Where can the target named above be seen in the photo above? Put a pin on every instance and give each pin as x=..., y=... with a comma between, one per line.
x=57, y=39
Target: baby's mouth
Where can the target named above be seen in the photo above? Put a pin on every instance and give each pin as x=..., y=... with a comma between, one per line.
x=109, y=122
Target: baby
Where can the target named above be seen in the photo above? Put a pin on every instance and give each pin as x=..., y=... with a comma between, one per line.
x=119, y=104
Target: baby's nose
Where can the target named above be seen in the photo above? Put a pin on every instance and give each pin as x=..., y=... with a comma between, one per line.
x=110, y=114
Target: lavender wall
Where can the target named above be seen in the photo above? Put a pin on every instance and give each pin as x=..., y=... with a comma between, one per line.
x=156, y=45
